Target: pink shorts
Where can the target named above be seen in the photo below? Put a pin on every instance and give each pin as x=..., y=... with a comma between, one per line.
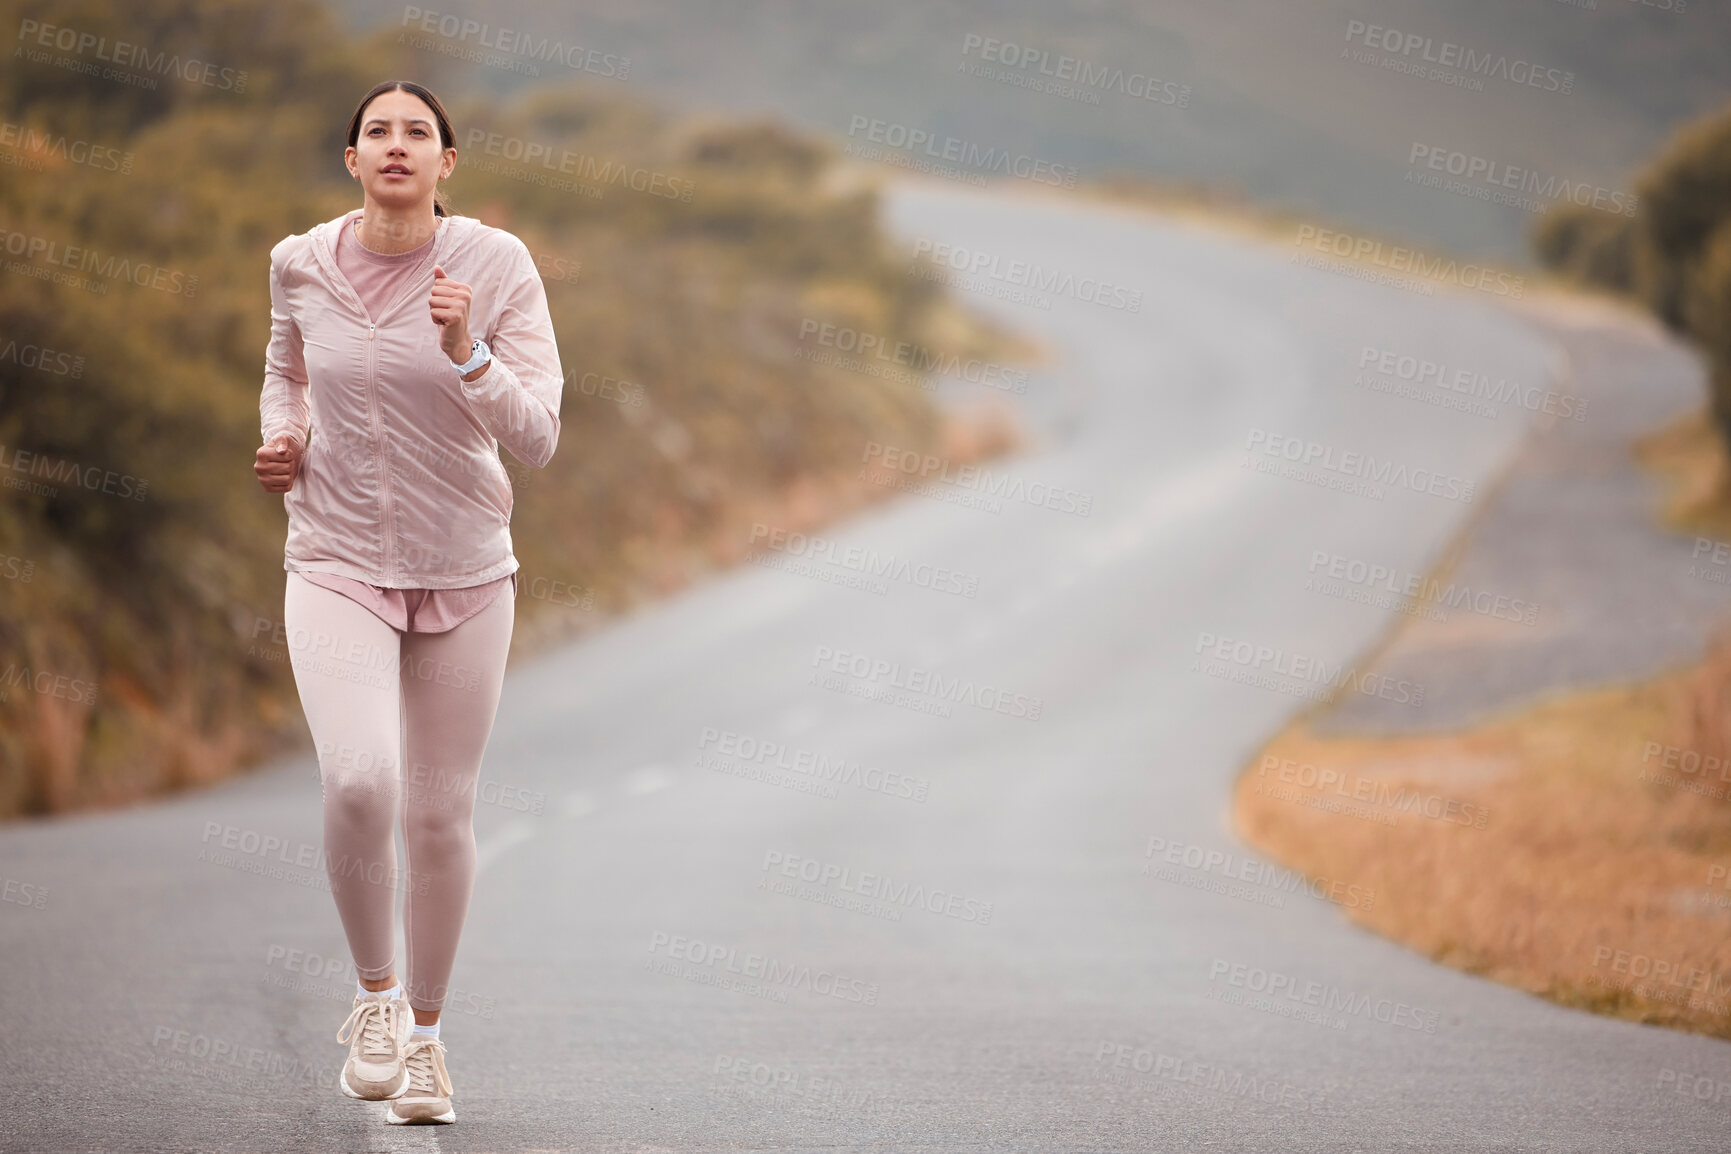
x=417, y=610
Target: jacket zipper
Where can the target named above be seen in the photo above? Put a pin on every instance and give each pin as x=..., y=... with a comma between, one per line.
x=387, y=510
x=387, y=517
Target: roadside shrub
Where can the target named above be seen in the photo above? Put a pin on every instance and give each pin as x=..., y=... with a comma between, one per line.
x=1589, y=245
x=1685, y=198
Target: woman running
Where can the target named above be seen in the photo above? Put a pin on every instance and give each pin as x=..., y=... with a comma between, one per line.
x=406, y=346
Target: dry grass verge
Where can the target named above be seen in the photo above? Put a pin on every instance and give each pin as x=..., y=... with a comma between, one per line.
x=1561, y=849
x=1690, y=456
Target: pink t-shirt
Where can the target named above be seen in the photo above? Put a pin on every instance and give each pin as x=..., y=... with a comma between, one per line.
x=378, y=277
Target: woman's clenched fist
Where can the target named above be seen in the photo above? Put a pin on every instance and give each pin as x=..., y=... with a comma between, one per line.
x=278, y=464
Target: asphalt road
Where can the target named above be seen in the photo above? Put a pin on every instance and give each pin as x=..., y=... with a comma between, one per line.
x=995, y=963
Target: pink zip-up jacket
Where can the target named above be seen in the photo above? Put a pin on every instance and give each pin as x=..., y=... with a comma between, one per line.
x=400, y=484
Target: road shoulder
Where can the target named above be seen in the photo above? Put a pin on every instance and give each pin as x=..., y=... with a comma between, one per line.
x=1547, y=816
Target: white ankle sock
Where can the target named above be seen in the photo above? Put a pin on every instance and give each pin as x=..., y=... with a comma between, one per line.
x=391, y=994
x=431, y=1031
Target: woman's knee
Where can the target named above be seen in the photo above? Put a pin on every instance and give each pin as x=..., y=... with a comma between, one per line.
x=362, y=802
x=438, y=835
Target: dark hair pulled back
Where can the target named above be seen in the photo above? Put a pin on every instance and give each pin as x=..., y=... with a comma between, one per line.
x=447, y=134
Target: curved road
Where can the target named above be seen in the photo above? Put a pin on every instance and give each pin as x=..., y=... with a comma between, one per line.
x=1055, y=944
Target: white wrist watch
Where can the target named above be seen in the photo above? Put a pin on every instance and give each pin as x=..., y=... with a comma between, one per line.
x=479, y=354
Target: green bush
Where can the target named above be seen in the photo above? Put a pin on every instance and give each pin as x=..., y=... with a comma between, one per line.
x=1674, y=255
x=1685, y=197
x=1588, y=245
x=1708, y=304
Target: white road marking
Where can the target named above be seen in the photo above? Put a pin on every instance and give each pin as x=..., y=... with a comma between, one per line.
x=797, y=721
x=1207, y=486
x=647, y=779
x=511, y=835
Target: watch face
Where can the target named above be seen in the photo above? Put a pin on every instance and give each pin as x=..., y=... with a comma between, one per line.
x=478, y=355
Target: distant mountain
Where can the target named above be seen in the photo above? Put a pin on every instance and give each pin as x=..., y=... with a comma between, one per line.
x=1310, y=105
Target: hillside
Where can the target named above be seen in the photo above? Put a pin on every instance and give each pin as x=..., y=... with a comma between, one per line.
x=142, y=563
x=1272, y=109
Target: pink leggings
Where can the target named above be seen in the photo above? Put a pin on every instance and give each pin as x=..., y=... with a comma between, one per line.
x=378, y=700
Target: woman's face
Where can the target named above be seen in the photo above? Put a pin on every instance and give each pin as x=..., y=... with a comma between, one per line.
x=397, y=157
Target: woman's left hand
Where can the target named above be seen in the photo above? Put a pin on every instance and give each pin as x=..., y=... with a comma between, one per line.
x=449, y=304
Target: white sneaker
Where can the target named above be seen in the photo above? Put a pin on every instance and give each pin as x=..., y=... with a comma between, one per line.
x=428, y=1098
x=376, y=1031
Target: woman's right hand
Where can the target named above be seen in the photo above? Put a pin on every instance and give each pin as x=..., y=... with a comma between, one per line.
x=278, y=464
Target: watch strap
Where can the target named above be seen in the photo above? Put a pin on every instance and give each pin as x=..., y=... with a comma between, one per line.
x=479, y=354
